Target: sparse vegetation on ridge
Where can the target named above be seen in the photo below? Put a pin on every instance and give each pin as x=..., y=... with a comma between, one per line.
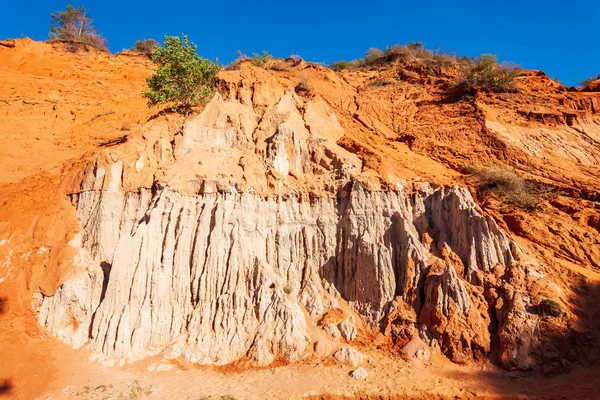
x=235, y=64
x=182, y=76
x=413, y=53
x=585, y=82
x=471, y=74
x=261, y=60
x=342, y=65
x=74, y=25
x=264, y=60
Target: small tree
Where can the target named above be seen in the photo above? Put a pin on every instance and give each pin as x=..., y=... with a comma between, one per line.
x=74, y=24
x=182, y=76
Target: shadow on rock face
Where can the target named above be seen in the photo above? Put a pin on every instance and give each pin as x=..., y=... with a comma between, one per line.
x=503, y=385
x=565, y=345
x=565, y=361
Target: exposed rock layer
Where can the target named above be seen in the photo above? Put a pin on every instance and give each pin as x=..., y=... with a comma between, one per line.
x=205, y=244
x=207, y=276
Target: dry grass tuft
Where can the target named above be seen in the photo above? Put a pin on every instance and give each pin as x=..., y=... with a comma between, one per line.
x=145, y=46
x=382, y=82
x=302, y=87
x=511, y=187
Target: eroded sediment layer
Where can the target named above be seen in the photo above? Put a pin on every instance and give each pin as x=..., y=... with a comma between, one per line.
x=217, y=277
x=238, y=234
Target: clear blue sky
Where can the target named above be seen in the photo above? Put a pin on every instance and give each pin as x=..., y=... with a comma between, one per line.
x=560, y=37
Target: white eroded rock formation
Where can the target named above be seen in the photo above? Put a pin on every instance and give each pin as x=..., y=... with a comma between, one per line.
x=229, y=240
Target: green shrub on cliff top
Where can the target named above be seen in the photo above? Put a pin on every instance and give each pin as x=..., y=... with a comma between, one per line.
x=486, y=73
x=182, y=77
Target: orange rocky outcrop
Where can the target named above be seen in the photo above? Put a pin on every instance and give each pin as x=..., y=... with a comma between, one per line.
x=336, y=215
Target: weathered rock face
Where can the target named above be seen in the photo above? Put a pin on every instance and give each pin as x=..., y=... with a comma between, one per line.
x=457, y=316
x=206, y=276
x=206, y=245
x=518, y=336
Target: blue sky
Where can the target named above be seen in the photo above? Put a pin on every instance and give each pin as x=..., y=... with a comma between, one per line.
x=559, y=37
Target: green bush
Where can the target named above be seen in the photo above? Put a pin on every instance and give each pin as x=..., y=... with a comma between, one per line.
x=340, y=65
x=550, y=307
x=182, y=77
x=74, y=25
x=486, y=73
x=145, y=46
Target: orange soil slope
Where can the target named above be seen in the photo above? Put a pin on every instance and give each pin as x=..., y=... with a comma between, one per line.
x=58, y=108
x=55, y=107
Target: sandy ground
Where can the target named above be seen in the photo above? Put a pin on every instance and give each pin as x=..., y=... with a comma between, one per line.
x=81, y=379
